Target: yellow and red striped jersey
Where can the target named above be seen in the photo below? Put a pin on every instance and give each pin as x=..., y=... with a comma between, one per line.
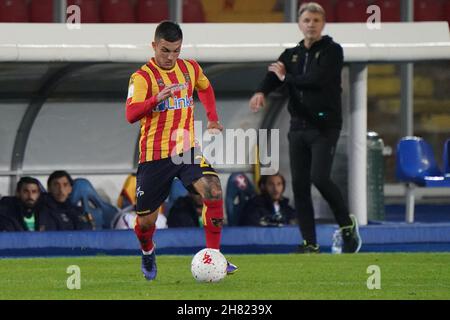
x=167, y=128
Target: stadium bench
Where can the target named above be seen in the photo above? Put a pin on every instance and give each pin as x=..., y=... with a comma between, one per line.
x=390, y=10
x=117, y=11
x=351, y=11
x=428, y=10
x=446, y=156
x=416, y=165
x=14, y=11
x=41, y=11
x=89, y=10
x=102, y=212
x=239, y=191
x=152, y=11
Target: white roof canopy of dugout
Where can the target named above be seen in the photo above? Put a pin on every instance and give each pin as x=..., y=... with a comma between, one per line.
x=394, y=42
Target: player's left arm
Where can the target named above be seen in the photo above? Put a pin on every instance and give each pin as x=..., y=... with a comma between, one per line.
x=207, y=97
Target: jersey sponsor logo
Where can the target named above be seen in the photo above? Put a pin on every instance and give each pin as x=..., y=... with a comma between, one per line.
x=130, y=91
x=160, y=82
x=178, y=103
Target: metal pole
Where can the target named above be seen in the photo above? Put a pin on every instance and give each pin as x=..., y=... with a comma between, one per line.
x=407, y=106
x=407, y=99
x=407, y=10
x=357, y=143
x=407, y=79
x=176, y=10
x=409, y=195
x=290, y=10
x=59, y=11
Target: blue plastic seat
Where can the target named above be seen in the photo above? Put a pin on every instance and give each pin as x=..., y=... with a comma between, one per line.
x=101, y=211
x=446, y=157
x=416, y=163
x=351, y=11
x=239, y=191
x=390, y=10
x=428, y=10
x=14, y=11
x=177, y=190
x=42, y=188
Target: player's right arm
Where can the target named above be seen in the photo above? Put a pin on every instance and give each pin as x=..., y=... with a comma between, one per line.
x=137, y=106
x=257, y=101
x=269, y=84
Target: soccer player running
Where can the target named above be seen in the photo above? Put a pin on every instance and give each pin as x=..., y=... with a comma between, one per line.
x=160, y=96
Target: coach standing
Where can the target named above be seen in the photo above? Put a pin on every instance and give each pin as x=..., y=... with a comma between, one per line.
x=312, y=73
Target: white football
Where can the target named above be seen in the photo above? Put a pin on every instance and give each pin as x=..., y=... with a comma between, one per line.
x=209, y=265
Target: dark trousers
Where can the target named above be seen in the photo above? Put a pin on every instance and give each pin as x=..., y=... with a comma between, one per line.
x=311, y=155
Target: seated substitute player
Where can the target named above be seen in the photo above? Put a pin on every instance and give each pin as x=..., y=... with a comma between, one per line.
x=160, y=96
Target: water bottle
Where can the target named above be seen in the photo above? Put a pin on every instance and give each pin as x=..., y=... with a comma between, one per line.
x=336, y=248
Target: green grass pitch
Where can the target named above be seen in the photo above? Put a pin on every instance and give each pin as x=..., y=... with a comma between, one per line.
x=274, y=276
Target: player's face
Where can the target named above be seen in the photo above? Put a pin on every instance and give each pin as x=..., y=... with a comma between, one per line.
x=29, y=195
x=311, y=24
x=166, y=53
x=60, y=189
x=274, y=187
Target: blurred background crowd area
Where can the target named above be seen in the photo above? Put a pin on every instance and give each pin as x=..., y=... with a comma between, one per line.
x=215, y=11
x=431, y=94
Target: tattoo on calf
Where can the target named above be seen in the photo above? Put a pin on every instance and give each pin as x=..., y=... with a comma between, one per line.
x=213, y=189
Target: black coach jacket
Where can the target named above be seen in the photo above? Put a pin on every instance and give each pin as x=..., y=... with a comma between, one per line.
x=56, y=216
x=12, y=214
x=313, y=80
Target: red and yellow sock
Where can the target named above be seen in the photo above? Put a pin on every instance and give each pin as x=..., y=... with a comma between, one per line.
x=145, y=237
x=212, y=217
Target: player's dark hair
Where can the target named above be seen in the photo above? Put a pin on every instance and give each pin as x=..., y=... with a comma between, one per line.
x=59, y=174
x=27, y=180
x=263, y=181
x=169, y=31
